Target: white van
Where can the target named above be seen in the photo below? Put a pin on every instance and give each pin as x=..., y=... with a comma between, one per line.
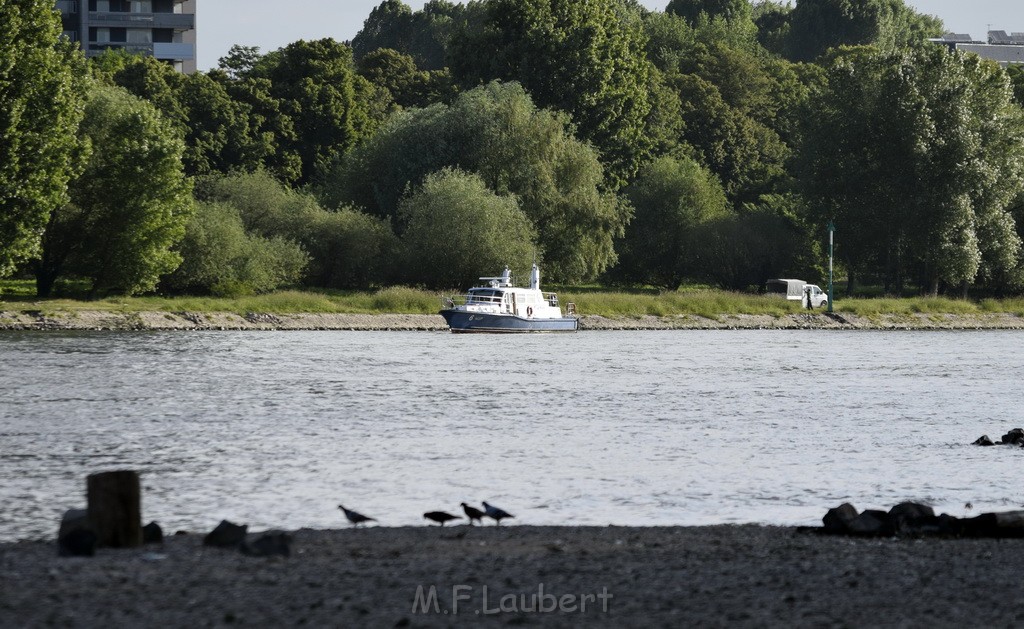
x=798, y=290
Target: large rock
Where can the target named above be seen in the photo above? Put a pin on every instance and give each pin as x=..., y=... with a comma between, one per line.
x=871, y=523
x=152, y=534
x=913, y=518
x=838, y=519
x=78, y=543
x=76, y=538
x=226, y=535
x=983, y=441
x=1014, y=437
x=1000, y=525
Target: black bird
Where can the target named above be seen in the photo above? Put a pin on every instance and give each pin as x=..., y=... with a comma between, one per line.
x=473, y=513
x=497, y=514
x=355, y=517
x=440, y=517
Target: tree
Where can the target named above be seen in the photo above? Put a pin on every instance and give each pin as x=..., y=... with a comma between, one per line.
x=691, y=10
x=583, y=57
x=42, y=87
x=408, y=86
x=919, y=154
x=329, y=104
x=818, y=25
x=220, y=258
x=130, y=205
x=239, y=61
x=671, y=198
x=1016, y=74
x=457, y=227
x=347, y=249
x=496, y=132
x=424, y=35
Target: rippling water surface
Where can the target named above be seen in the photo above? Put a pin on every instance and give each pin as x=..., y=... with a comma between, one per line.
x=678, y=427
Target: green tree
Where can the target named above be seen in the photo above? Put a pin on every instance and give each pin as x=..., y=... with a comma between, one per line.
x=424, y=35
x=691, y=10
x=496, y=132
x=408, y=86
x=1016, y=74
x=347, y=249
x=919, y=155
x=41, y=90
x=130, y=205
x=328, y=102
x=583, y=57
x=737, y=104
x=818, y=25
x=239, y=61
x=220, y=258
x=671, y=198
x=457, y=226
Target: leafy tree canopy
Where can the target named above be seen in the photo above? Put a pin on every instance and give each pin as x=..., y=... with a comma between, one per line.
x=457, y=228
x=692, y=10
x=42, y=87
x=130, y=205
x=583, y=57
x=496, y=132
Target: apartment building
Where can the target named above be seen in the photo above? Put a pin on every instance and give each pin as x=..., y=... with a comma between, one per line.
x=165, y=29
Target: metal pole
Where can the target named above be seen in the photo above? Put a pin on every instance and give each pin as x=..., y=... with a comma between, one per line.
x=831, y=232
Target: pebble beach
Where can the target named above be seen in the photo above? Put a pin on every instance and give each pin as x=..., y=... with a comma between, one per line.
x=431, y=576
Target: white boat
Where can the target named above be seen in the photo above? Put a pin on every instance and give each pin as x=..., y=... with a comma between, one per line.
x=499, y=306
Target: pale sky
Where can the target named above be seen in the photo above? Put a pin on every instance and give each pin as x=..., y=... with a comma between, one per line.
x=271, y=24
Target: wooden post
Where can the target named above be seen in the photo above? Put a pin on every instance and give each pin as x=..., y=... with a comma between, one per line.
x=115, y=508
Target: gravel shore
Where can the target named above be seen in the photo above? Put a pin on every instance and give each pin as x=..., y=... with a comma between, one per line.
x=639, y=577
x=105, y=320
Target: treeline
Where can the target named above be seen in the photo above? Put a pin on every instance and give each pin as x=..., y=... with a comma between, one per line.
x=710, y=143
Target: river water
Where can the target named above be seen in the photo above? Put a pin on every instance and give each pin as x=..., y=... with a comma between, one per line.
x=275, y=429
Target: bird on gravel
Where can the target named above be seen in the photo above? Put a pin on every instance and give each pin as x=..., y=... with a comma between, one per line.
x=473, y=513
x=497, y=514
x=355, y=517
x=440, y=517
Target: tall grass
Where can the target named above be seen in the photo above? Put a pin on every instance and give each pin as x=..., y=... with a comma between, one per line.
x=704, y=302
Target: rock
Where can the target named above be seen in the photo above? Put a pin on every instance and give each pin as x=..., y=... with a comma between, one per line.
x=77, y=543
x=949, y=525
x=912, y=517
x=871, y=523
x=1008, y=524
x=838, y=518
x=73, y=519
x=983, y=441
x=76, y=537
x=152, y=534
x=226, y=535
x=1014, y=437
x=273, y=544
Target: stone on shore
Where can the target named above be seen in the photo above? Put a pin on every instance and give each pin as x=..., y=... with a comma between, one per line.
x=1014, y=437
x=75, y=537
x=226, y=535
x=152, y=534
x=270, y=544
x=983, y=440
x=838, y=519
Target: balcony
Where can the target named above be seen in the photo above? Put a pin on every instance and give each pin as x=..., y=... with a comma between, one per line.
x=177, y=21
x=178, y=52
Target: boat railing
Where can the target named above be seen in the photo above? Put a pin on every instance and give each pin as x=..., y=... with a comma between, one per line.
x=463, y=300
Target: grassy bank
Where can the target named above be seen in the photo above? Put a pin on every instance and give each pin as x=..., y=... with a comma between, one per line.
x=20, y=296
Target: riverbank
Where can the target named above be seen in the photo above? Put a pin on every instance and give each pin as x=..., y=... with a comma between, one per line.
x=159, y=320
x=666, y=576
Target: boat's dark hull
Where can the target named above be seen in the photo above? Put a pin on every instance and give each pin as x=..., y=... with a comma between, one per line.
x=461, y=321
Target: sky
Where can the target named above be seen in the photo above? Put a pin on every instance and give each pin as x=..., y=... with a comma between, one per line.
x=272, y=24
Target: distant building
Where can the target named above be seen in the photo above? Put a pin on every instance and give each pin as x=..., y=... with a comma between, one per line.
x=1002, y=48
x=165, y=29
